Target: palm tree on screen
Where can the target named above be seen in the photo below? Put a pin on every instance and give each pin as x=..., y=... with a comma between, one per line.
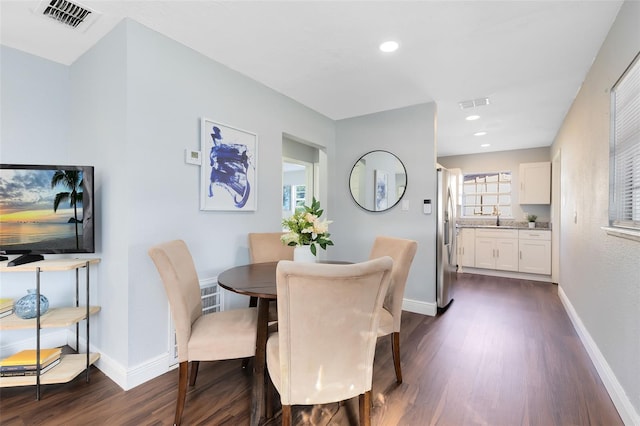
x=72, y=181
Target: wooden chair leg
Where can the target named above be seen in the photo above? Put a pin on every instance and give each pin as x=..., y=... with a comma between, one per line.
x=194, y=372
x=365, y=408
x=183, y=374
x=268, y=397
x=245, y=363
x=286, y=415
x=253, y=302
x=395, y=344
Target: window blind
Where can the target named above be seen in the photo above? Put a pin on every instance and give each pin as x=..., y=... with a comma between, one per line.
x=624, y=204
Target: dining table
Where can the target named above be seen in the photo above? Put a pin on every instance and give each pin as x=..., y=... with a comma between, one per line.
x=257, y=280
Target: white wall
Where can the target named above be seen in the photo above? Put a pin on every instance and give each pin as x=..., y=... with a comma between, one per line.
x=600, y=274
x=409, y=133
x=136, y=102
x=34, y=105
x=99, y=129
x=504, y=161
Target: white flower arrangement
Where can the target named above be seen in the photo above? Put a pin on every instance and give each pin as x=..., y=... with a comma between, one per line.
x=306, y=228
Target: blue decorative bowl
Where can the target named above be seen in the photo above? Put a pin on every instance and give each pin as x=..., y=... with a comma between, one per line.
x=25, y=307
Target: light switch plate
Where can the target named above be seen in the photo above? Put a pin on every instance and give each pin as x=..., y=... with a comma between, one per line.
x=192, y=157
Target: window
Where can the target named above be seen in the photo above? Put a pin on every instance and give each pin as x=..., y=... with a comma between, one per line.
x=297, y=193
x=486, y=194
x=624, y=193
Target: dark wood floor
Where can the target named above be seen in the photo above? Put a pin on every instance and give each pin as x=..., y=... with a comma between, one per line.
x=505, y=353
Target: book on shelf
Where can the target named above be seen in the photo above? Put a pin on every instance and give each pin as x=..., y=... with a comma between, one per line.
x=31, y=367
x=5, y=304
x=28, y=357
x=30, y=372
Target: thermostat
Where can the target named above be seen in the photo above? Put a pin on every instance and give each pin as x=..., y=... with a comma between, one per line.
x=426, y=207
x=192, y=157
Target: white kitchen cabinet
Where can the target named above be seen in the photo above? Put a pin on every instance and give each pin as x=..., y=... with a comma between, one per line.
x=534, y=251
x=535, y=183
x=496, y=249
x=466, y=243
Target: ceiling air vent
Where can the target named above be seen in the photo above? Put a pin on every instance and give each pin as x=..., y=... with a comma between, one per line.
x=472, y=103
x=67, y=13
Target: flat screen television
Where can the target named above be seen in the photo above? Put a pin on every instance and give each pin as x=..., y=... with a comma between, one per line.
x=45, y=209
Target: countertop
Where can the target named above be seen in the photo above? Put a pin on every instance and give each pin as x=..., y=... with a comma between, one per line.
x=506, y=224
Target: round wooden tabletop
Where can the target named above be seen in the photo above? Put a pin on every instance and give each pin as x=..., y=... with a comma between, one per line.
x=255, y=279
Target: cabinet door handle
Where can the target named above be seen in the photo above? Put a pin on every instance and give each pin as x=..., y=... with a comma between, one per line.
x=520, y=254
x=498, y=253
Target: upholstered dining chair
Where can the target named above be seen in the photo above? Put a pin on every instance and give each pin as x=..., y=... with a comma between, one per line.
x=402, y=251
x=328, y=318
x=267, y=247
x=215, y=336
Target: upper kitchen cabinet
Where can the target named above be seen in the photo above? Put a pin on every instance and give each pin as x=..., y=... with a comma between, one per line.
x=535, y=183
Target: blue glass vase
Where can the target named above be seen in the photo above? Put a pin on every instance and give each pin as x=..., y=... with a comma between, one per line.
x=25, y=307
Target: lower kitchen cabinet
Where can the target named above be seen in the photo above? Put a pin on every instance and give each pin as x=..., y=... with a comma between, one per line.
x=466, y=243
x=534, y=252
x=496, y=249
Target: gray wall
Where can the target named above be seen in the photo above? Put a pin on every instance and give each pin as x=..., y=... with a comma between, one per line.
x=600, y=274
x=130, y=106
x=409, y=134
x=136, y=102
x=504, y=161
x=34, y=108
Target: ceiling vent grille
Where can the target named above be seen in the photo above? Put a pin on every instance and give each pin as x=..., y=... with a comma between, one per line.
x=67, y=13
x=473, y=103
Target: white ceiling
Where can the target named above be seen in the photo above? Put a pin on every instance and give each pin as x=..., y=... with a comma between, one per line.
x=528, y=57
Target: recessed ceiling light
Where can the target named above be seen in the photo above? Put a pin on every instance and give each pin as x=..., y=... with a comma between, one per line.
x=485, y=145
x=479, y=133
x=472, y=117
x=389, y=46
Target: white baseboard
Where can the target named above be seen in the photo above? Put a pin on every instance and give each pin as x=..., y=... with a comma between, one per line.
x=126, y=378
x=129, y=379
x=616, y=392
x=419, y=307
x=506, y=274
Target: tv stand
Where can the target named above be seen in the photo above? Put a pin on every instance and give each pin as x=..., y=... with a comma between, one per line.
x=71, y=364
x=25, y=258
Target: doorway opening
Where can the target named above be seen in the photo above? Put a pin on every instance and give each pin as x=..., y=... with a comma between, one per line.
x=302, y=165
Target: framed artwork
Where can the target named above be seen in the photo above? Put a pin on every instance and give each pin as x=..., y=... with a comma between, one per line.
x=229, y=168
x=381, y=179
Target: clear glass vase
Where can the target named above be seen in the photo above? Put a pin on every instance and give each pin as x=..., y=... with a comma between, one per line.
x=26, y=308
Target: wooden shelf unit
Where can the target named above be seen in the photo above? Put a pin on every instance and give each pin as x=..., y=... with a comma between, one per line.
x=71, y=365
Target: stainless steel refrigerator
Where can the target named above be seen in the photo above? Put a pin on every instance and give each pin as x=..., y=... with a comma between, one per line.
x=446, y=251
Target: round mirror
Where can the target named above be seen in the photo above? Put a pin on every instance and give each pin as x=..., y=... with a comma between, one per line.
x=378, y=181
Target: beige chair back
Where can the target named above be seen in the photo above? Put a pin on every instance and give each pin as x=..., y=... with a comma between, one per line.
x=328, y=318
x=402, y=251
x=180, y=279
x=267, y=247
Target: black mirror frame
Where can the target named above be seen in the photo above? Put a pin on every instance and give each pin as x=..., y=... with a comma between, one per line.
x=399, y=198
